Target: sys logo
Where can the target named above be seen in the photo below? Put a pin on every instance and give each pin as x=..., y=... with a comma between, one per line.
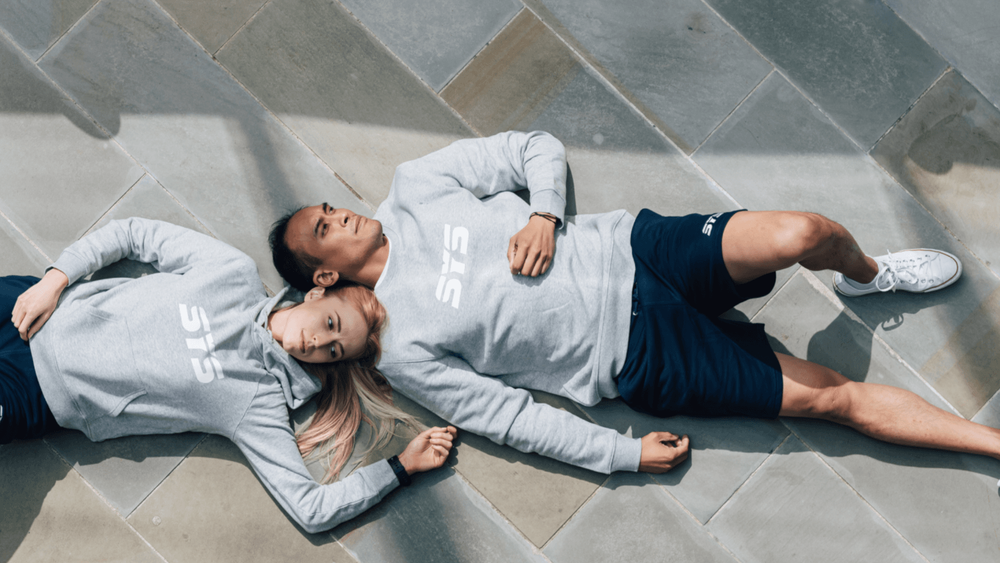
x=707, y=229
x=206, y=365
x=456, y=245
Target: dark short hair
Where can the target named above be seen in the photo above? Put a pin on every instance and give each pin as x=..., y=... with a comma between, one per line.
x=296, y=267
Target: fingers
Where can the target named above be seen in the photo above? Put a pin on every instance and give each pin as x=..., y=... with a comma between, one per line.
x=37, y=325
x=511, y=253
x=662, y=451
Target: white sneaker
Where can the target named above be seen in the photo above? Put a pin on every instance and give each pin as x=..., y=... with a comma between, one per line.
x=920, y=270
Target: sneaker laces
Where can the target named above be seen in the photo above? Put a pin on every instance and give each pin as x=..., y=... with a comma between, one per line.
x=905, y=271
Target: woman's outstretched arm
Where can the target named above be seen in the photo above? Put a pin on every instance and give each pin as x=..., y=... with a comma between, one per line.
x=266, y=439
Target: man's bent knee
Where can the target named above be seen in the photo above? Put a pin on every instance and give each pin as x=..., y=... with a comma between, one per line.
x=801, y=235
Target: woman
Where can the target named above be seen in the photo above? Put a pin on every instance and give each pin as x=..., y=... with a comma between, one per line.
x=199, y=346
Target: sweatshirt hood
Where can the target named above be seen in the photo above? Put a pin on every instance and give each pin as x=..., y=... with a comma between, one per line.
x=296, y=383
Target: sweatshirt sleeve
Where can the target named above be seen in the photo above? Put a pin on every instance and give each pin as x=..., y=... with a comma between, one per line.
x=507, y=161
x=167, y=247
x=266, y=439
x=509, y=416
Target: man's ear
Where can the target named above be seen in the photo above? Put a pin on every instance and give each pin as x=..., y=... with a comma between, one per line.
x=325, y=278
x=315, y=293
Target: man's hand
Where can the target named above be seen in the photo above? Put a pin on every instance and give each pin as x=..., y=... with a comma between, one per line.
x=428, y=450
x=662, y=451
x=531, y=249
x=35, y=306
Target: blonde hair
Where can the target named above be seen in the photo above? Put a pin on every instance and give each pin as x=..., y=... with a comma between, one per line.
x=353, y=391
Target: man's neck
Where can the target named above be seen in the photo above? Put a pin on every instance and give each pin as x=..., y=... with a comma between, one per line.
x=372, y=270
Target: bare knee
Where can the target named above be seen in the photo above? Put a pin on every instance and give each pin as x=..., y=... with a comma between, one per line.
x=802, y=235
x=834, y=403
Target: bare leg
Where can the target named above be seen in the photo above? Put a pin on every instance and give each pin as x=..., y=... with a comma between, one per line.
x=760, y=242
x=880, y=411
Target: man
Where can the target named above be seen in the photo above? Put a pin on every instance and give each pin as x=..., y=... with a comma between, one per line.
x=626, y=306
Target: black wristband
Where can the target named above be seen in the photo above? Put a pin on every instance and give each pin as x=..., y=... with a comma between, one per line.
x=397, y=467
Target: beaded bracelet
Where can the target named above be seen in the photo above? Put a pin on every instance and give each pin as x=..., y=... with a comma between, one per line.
x=545, y=216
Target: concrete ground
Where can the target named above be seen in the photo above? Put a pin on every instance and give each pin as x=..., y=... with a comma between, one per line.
x=881, y=114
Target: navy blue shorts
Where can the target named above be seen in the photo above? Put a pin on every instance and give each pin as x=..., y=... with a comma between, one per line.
x=682, y=359
x=25, y=414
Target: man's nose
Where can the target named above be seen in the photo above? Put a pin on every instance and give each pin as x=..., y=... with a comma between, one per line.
x=342, y=216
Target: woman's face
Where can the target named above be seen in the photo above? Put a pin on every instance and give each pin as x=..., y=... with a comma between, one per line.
x=324, y=329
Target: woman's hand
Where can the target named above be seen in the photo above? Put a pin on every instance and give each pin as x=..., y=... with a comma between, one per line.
x=530, y=250
x=35, y=306
x=428, y=450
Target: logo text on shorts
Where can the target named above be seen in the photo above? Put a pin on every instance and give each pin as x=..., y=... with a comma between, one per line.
x=707, y=229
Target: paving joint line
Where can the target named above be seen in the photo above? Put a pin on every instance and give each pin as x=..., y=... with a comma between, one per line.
x=828, y=293
x=489, y=503
x=585, y=502
x=711, y=184
x=413, y=73
x=24, y=236
x=750, y=477
x=861, y=497
x=65, y=33
x=940, y=54
x=115, y=204
x=738, y=105
x=235, y=33
x=103, y=499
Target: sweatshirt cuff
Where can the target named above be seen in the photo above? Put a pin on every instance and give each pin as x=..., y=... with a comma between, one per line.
x=70, y=264
x=382, y=477
x=549, y=201
x=628, y=453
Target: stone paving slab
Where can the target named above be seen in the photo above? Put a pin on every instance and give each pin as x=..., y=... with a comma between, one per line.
x=35, y=26
x=945, y=504
x=437, y=518
x=528, y=79
x=227, y=156
x=946, y=152
x=49, y=513
x=194, y=515
x=193, y=127
x=779, y=152
x=212, y=23
x=437, y=37
x=724, y=452
x=632, y=520
x=677, y=60
x=964, y=32
x=50, y=151
x=362, y=112
x=19, y=257
x=538, y=495
x=796, y=509
x=857, y=60
x=123, y=471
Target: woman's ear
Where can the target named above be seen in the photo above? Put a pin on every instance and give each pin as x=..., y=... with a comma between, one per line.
x=315, y=293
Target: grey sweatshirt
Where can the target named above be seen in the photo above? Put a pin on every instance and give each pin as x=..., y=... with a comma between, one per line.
x=186, y=349
x=465, y=336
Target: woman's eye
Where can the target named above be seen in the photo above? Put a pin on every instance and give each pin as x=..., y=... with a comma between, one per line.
x=333, y=352
x=329, y=323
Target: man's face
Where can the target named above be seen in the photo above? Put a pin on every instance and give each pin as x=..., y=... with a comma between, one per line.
x=341, y=239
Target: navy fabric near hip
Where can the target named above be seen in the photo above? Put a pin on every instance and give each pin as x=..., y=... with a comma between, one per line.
x=681, y=358
x=25, y=413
